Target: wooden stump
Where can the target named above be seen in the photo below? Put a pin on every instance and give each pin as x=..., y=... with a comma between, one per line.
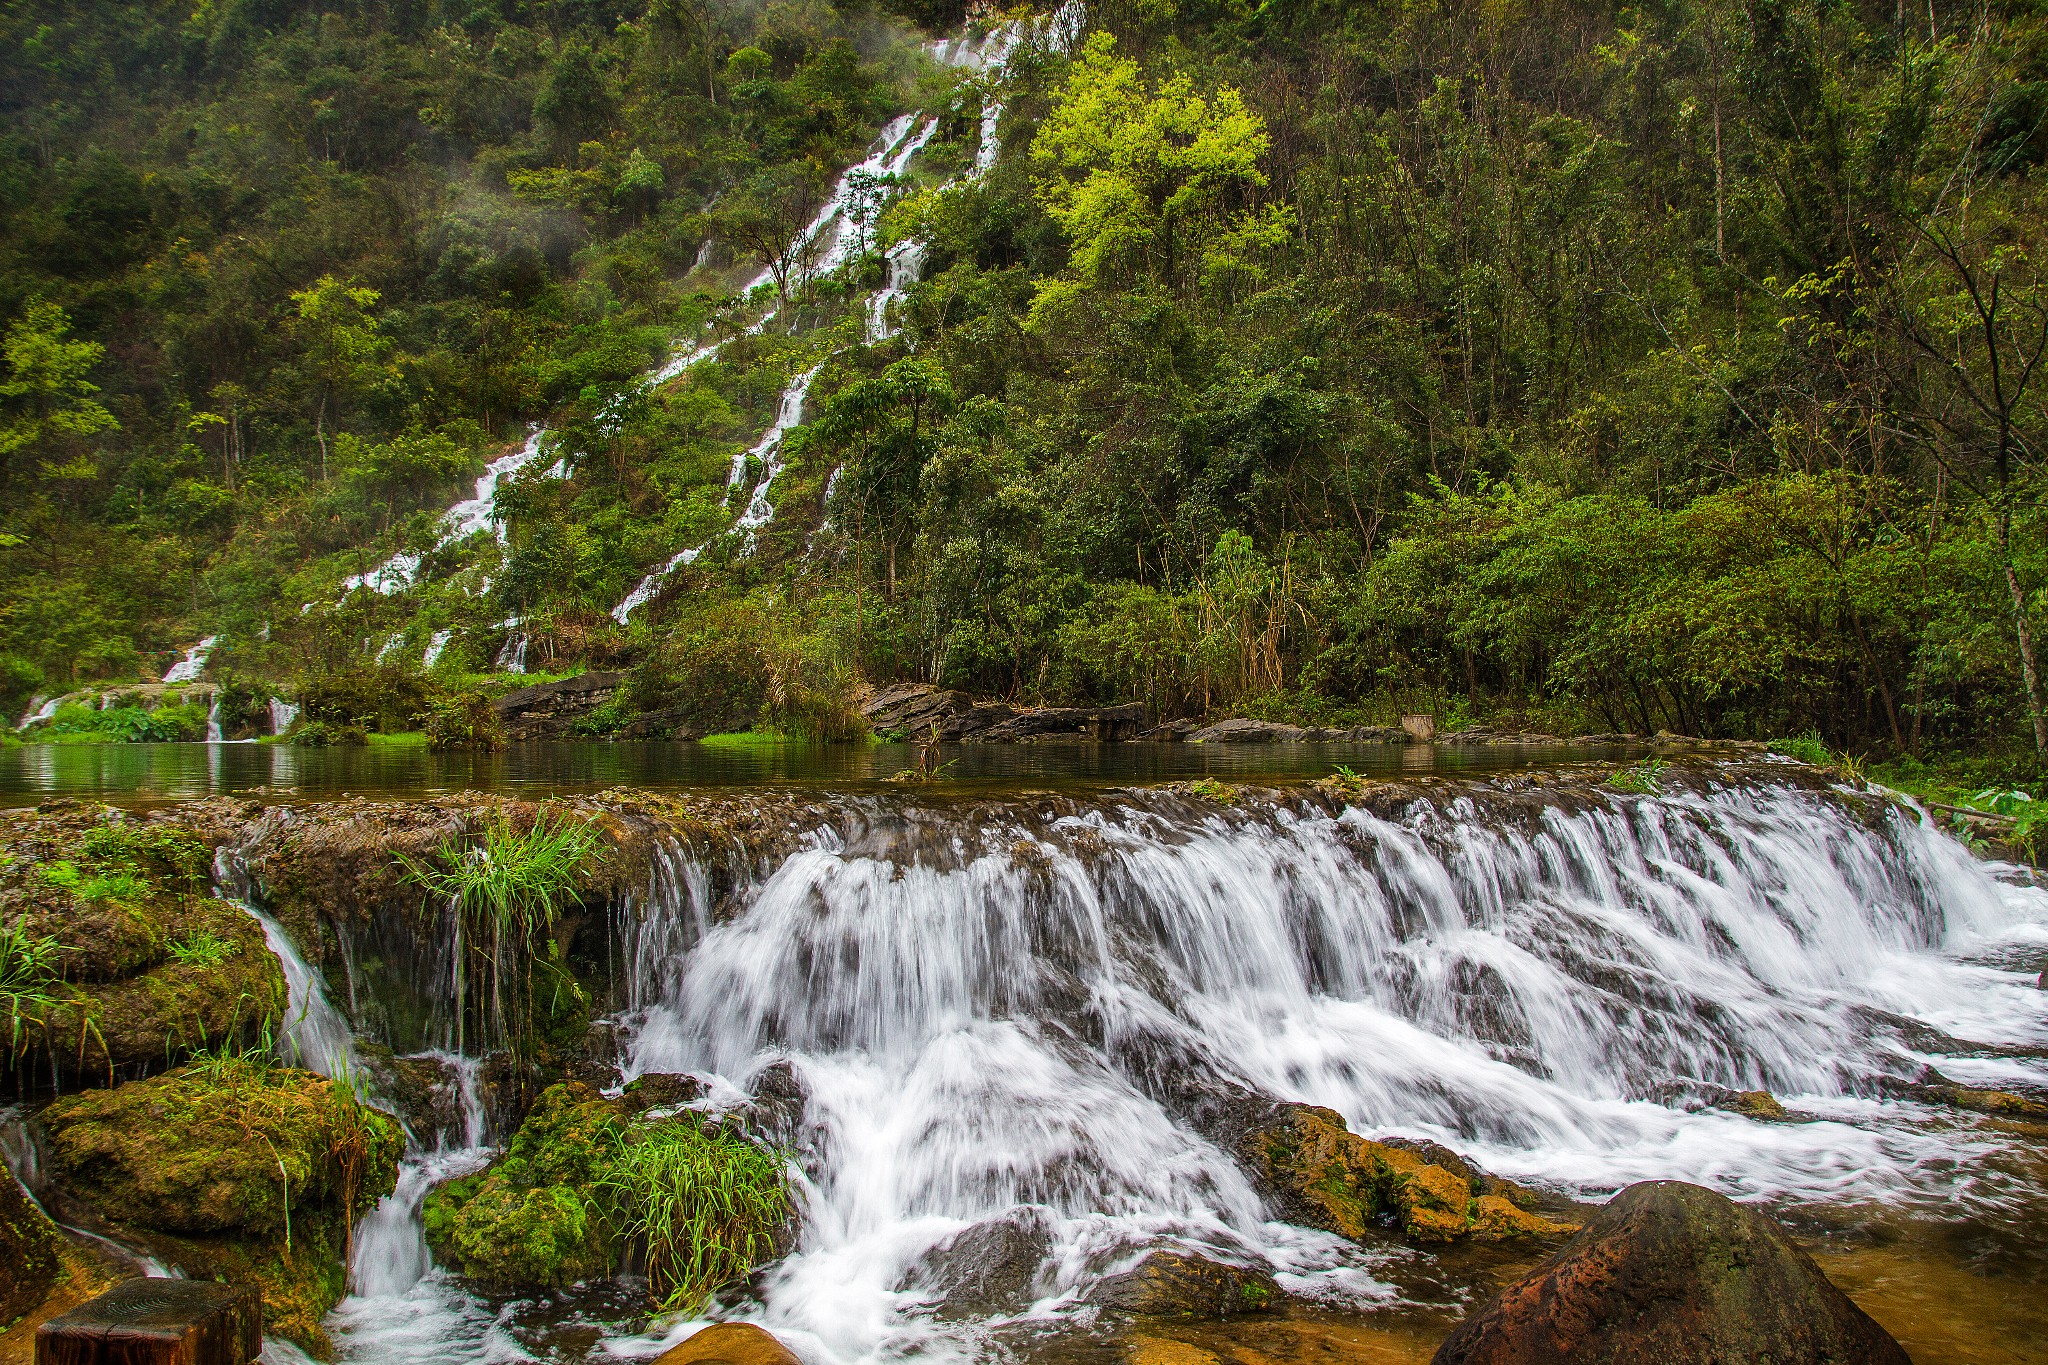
x=1421, y=729
x=157, y=1322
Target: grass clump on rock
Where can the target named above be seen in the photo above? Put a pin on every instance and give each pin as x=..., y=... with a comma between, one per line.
x=582, y=1184
x=258, y=1171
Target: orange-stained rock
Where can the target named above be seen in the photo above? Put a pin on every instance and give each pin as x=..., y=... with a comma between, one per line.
x=733, y=1343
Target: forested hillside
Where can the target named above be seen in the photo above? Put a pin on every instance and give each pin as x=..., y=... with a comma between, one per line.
x=1621, y=368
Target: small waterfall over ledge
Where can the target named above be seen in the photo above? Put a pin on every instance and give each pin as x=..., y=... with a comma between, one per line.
x=991, y=1007
x=997, y=1008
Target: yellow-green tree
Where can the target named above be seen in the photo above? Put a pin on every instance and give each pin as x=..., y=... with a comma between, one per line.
x=1153, y=180
x=49, y=401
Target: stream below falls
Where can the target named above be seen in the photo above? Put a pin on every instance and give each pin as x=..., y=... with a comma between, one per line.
x=994, y=1006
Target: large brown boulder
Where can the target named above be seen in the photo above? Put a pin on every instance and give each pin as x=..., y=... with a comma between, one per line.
x=1672, y=1274
x=1183, y=1285
x=730, y=1343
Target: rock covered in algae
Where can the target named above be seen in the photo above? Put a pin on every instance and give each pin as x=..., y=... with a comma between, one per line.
x=1679, y=1275
x=587, y=1178
x=531, y=1219
x=253, y=1173
x=30, y=1251
x=1331, y=1178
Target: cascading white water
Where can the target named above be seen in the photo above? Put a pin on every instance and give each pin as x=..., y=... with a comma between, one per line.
x=969, y=998
x=435, y=646
x=466, y=518
x=512, y=657
x=282, y=714
x=193, y=664
x=213, y=731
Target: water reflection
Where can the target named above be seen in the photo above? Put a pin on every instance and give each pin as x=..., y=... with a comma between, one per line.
x=153, y=772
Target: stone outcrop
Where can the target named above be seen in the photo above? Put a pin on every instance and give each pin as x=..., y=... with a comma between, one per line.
x=730, y=1343
x=1679, y=1275
x=1183, y=1284
x=1324, y=1176
x=919, y=711
x=550, y=710
x=987, y=1270
x=29, y=1247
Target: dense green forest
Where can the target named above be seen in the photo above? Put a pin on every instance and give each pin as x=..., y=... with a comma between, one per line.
x=1668, y=366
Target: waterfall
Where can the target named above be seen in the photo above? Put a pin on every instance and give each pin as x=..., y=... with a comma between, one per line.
x=769, y=451
x=213, y=734
x=986, y=1004
x=282, y=714
x=434, y=648
x=316, y=1036
x=512, y=658
x=189, y=668
x=466, y=518
x=40, y=709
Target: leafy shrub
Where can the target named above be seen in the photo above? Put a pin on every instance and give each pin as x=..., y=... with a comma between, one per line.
x=373, y=697
x=321, y=733
x=202, y=949
x=1807, y=748
x=465, y=721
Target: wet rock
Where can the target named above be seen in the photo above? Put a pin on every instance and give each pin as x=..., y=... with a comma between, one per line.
x=776, y=1110
x=987, y=1270
x=1183, y=1284
x=1322, y=1175
x=670, y=722
x=1752, y=1104
x=661, y=1090
x=1675, y=1274
x=550, y=710
x=1144, y=1350
x=29, y=1247
x=730, y=1343
x=2003, y=1103
x=1105, y=723
x=919, y=711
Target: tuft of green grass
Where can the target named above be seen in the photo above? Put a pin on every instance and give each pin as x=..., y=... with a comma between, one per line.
x=704, y=1203
x=28, y=979
x=203, y=949
x=1644, y=778
x=1807, y=748
x=508, y=891
x=404, y=739
x=98, y=886
x=748, y=739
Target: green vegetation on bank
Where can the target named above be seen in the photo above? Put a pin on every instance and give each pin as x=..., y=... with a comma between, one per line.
x=1606, y=367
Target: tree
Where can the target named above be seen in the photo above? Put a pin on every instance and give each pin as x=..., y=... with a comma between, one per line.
x=772, y=217
x=49, y=401
x=1135, y=175
x=344, y=348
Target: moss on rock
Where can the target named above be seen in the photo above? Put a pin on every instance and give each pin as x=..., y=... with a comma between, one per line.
x=259, y=1171
x=149, y=967
x=1347, y=1184
x=30, y=1251
x=532, y=1219
x=587, y=1177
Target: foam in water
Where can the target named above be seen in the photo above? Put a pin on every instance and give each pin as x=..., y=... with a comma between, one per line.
x=193, y=664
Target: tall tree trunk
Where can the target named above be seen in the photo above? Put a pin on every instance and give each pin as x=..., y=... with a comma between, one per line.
x=2030, y=671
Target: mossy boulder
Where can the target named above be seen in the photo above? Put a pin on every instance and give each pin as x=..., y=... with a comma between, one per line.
x=257, y=1173
x=533, y=1219
x=31, y=1251
x=1183, y=1284
x=1329, y=1177
x=588, y=1179
x=144, y=966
